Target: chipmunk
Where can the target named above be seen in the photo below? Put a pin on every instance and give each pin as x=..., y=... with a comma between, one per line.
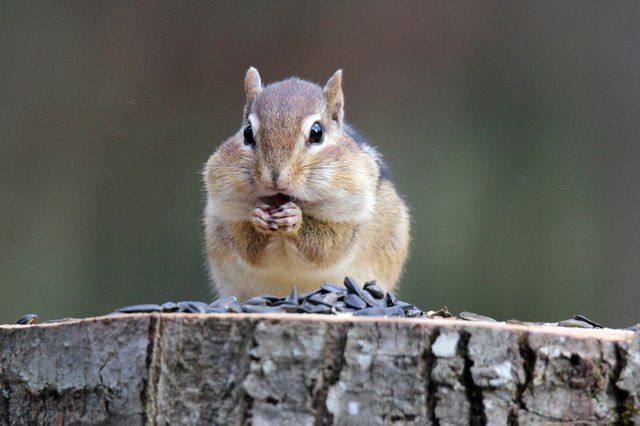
x=297, y=198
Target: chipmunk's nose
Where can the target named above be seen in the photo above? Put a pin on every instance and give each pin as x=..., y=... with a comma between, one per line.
x=275, y=175
x=279, y=180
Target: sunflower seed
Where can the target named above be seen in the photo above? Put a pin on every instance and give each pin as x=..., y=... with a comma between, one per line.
x=370, y=312
x=391, y=298
x=340, y=310
x=588, y=321
x=254, y=309
x=291, y=308
x=316, y=309
x=317, y=298
x=270, y=298
x=308, y=294
x=146, y=307
x=341, y=304
x=169, y=307
x=413, y=313
x=332, y=288
x=56, y=321
x=257, y=301
x=293, y=296
x=393, y=311
x=405, y=305
x=331, y=299
x=237, y=308
x=211, y=310
x=224, y=302
x=193, y=307
x=372, y=301
x=354, y=301
x=374, y=290
x=470, y=316
x=27, y=319
x=574, y=324
x=351, y=285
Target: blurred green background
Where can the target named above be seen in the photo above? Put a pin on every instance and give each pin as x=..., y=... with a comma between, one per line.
x=511, y=128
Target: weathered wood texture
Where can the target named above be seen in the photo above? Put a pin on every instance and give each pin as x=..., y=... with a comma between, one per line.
x=314, y=370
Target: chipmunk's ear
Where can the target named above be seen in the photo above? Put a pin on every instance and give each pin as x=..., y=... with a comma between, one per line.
x=333, y=97
x=252, y=86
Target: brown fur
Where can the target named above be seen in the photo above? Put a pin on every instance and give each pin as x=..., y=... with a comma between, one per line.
x=343, y=217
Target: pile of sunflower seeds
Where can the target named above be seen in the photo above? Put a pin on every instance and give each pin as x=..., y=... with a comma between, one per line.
x=370, y=300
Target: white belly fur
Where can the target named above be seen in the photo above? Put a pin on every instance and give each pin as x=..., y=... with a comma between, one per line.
x=285, y=269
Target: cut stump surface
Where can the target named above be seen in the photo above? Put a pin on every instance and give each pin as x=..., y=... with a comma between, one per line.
x=314, y=370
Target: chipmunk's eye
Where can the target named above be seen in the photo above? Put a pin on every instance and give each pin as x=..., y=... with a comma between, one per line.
x=248, y=136
x=316, y=134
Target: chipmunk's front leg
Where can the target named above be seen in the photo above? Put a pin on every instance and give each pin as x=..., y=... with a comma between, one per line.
x=318, y=242
x=325, y=243
x=247, y=242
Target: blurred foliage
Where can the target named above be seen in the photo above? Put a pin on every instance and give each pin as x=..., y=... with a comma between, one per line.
x=511, y=128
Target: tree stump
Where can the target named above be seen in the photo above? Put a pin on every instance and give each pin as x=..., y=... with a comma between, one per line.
x=236, y=369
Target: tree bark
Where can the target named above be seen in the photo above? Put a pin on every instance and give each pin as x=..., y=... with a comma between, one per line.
x=237, y=369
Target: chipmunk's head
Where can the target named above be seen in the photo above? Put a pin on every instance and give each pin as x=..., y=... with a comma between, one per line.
x=294, y=129
x=294, y=146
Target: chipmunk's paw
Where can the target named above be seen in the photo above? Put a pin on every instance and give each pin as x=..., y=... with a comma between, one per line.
x=287, y=218
x=283, y=220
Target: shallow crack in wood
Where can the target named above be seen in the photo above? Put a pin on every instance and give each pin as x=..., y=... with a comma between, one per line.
x=429, y=360
x=314, y=370
x=528, y=357
x=627, y=382
x=245, y=399
x=477, y=416
x=149, y=391
x=624, y=399
x=329, y=374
